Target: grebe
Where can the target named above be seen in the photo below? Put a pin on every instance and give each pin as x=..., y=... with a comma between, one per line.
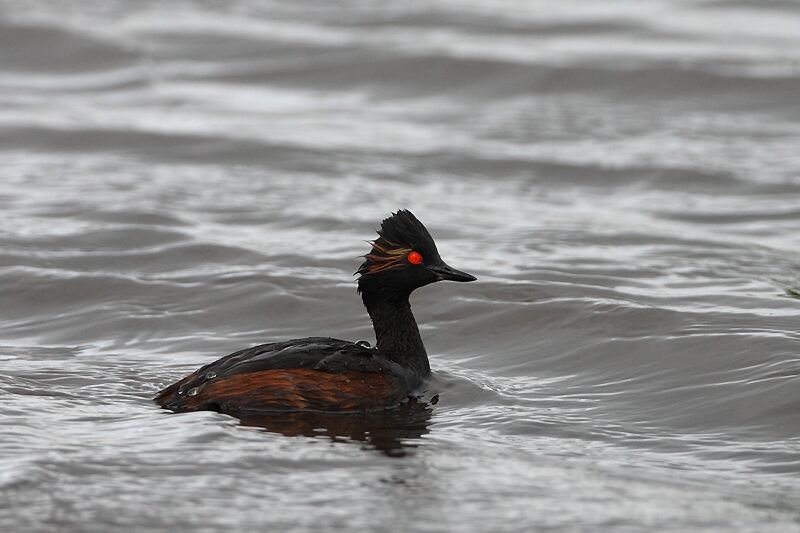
x=324, y=374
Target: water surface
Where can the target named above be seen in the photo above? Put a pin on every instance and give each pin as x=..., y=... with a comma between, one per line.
x=181, y=180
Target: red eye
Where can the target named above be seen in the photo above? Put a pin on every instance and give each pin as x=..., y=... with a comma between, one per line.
x=415, y=258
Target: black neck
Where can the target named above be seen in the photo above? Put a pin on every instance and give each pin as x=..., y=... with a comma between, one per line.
x=396, y=330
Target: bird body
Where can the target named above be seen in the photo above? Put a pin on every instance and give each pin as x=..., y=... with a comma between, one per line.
x=325, y=374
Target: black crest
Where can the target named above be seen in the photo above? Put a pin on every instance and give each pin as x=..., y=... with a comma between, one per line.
x=403, y=228
x=398, y=235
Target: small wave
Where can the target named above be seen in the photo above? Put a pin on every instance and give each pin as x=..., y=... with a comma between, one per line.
x=51, y=49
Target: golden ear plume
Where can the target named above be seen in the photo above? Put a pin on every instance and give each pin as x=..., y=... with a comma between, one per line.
x=387, y=258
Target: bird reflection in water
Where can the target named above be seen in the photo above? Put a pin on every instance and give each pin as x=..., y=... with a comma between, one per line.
x=392, y=432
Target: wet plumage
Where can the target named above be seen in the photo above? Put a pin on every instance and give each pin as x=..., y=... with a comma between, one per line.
x=326, y=374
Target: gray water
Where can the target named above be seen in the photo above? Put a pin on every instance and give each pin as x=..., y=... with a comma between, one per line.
x=179, y=180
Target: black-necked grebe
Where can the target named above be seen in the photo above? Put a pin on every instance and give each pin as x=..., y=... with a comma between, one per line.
x=324, y=374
